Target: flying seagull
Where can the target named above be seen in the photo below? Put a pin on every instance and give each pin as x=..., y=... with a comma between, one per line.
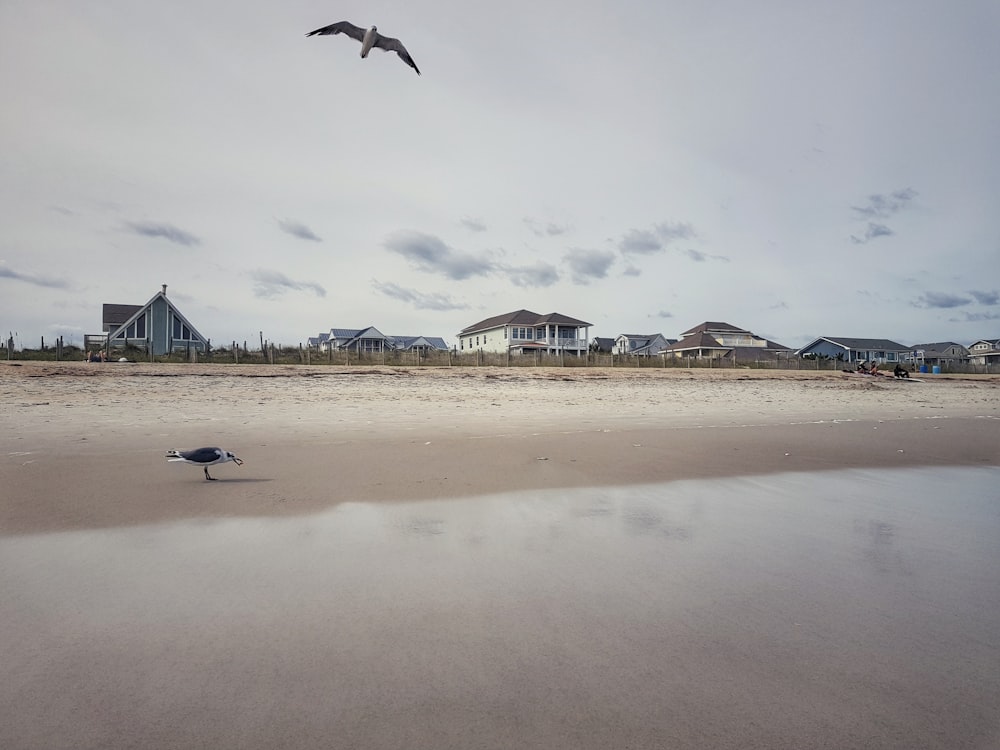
x=369, y=38
x=204, y=457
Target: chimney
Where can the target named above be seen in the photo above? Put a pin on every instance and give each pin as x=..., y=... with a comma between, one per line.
x=164, y=290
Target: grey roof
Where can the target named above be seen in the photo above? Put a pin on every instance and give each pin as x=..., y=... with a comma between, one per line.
x=112, y=316
x=699, y=340
x=862, y=344
x=712, y=326
x=408, y=342
x=938, y=346
x=602, y=344
x=523, y=318
x=344, y=333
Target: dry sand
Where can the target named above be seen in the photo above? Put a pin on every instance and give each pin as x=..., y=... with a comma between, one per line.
x=823, y=573
x=83, y=444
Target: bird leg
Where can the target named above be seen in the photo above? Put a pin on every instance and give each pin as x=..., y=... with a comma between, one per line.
x=206, y=474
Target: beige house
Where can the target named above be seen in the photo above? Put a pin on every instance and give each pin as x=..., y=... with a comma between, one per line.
x=523, y=331
x=713, y=340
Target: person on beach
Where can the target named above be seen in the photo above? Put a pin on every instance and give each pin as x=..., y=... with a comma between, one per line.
x=900, y=372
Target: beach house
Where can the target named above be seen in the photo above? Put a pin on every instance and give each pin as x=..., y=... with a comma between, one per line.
x=523, y=331
x=157, y=327
x=714, y=340
x=849, y=349
x=372, y=340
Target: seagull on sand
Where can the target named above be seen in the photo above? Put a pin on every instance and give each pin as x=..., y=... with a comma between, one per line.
x=204, y=457
x=369, y=38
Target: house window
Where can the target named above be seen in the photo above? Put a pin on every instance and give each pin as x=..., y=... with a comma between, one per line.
x=180, y=331
x=522, y=333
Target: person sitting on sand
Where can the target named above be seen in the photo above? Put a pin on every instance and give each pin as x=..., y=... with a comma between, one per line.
x=901, y=372
x=863, y=367
x=873, y=370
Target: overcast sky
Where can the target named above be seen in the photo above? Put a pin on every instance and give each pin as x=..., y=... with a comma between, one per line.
x=796, y=168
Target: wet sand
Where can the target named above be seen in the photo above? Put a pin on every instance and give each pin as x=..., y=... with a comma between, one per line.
x=724, y=560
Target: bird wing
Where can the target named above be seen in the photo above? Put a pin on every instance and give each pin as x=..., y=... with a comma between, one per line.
x=394, y=45
x=341, y=27
x=202, y=455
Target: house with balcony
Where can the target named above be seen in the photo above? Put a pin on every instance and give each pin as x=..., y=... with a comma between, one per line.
x=985, y=352
x=847, y=349
x=523, y=331
x=641, y=344
x=717, y=340
x=158, y=326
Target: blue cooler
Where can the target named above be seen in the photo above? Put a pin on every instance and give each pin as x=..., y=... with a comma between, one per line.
x=935, y=370
x=923, y=368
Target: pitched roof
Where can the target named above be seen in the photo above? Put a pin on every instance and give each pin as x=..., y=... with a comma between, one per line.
x=710, y=326
x=113, y=316
x=699, y=340
x=523, y=318
x=855, y=344
x=408, y=342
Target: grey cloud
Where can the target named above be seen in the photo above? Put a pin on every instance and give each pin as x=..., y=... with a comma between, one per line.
x=649, y=241
x=28, y=278
x=545, y=229
x=420, y=300
x=430, y=254
x=970, y=317
x=940, y=300
x=297, y=229
x=631, y=270
x=640, y=242
x=986, y=298
x=269, y=284
x=167, y=231
x=700, y=257
x=663, y=314
x=475, y=225
x=675, y=231
x=883, y=206
x=538, y=275
x=872, y=232
x=588, y=264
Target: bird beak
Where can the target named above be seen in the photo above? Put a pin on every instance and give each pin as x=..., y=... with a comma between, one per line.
x=237, y=461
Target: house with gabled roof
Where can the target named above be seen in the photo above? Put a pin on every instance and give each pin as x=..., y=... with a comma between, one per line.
x=985, y=352
x=939, y=353
x=372, y=340
x=523, y=331
x=641, y=344
x=848, y=349
x=419, y=343
x=158, y=327
x=714, y=340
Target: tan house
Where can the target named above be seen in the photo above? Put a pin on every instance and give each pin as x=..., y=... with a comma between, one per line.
x=713, y=340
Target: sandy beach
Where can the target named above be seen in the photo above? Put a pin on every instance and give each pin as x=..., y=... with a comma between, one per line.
x=80, y=440
x=454, y=558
